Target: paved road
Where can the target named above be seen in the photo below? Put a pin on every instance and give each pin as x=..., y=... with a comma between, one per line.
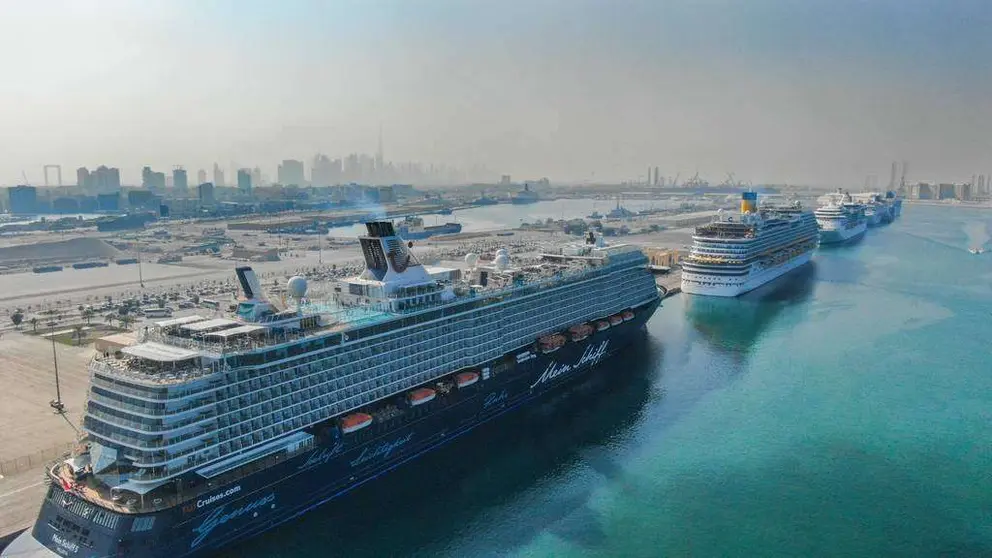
x=20, y=500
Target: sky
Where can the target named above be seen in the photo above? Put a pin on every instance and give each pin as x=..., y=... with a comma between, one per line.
x=818, y=92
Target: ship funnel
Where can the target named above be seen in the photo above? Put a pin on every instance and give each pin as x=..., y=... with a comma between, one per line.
x=749, y=202
x=249, y=283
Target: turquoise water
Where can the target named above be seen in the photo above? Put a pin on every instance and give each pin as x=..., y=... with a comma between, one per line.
x=846, y=410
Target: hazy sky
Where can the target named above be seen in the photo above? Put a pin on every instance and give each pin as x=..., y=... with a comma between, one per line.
x=799, y=91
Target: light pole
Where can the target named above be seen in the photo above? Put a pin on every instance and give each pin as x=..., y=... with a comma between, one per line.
x=57, y=402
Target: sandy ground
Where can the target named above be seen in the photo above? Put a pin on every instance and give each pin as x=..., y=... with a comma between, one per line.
x=32, y=433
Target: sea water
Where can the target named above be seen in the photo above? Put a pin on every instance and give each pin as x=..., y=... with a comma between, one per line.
x=844, y=410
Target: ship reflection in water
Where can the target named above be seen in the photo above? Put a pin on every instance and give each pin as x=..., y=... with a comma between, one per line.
x=734, y=324
x=498, y=473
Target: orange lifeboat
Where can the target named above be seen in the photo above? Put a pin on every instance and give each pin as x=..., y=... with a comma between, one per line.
x=580, y=331
x=355, y=422
x=551, y=343
x=616, y=319
x=466, y=379
x=602, y=325
x=421, y=396
x=627, y=315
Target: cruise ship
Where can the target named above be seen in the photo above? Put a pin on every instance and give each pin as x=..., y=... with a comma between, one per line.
x=842, y=221
x=738, y=253
x=210, y=431
x=877, y=210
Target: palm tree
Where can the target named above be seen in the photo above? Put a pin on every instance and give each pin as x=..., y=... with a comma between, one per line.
x=77, y=332
x=34, y=324
x=126, y=320
x=16, y=318
x=109, y=318
x=87, y=314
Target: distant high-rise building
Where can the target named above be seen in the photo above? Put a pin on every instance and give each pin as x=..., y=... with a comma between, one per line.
x=23, y=199
x=201, y=176
x=325, y=172
x=218, y=176
x=102, y=179
x=106, y=179
x=657, y=178
x=179, y=181
x=256, y=177
x=244, y=181
x=291, y=172
x=83, y=181
x=206, y=191
x=152, y=180
x=505, y=179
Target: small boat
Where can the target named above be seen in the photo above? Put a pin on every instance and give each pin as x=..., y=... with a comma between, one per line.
x=580, y=331
x=551, y=343
x=421, y=396
x=466, y=379
x=616, y=319
x=627, y=315
x=602, y=325
x=355, y=422
x=976, y=250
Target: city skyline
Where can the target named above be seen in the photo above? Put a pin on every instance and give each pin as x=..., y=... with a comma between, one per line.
x=814, y=92
x=352, y=168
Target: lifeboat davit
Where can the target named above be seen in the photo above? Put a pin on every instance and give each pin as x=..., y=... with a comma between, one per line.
x=466, y=379
x=355, y=422
x=627, y=315
x=616, y=319
x=602, y=325
x=421, y=396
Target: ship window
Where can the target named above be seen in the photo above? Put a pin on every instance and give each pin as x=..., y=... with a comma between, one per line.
x=143, y=524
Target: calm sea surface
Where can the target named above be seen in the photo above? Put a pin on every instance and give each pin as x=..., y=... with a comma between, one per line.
x=846, y=410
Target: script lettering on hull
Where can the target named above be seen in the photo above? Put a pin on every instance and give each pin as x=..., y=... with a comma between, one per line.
x=495, y=398
x=381, y=451
x=322, y=456
x=221, y=516
x=591, y=357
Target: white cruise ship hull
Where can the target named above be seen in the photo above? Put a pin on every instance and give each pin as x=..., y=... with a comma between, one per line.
x=830, y=235
x=718, y=285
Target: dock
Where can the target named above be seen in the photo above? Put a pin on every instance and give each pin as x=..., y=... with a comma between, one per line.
x=670, y=283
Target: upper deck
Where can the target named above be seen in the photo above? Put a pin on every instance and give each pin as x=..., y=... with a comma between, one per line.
x=179, y=351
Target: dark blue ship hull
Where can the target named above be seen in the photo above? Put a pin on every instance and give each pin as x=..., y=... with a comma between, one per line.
x=339, y=463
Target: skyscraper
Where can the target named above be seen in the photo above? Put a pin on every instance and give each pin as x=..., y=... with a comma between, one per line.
x=206, y=191
x=179, y=180
x=106, y=179
x=218, y=176
x=244, y=181
x=291, y=173
x=83, y=179
x=201, y=176
x=152, y=180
